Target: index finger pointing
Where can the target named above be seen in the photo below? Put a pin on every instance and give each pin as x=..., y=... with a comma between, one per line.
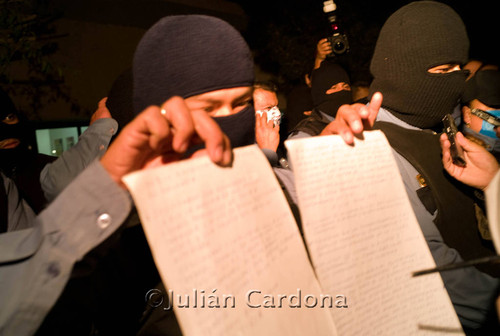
x=374, y=107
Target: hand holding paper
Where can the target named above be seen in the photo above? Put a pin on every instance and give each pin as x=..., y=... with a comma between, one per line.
x=352, y=120
x=161, y=135
x=229, y=231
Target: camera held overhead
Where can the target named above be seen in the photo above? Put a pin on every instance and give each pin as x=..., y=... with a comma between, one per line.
x=338, y=39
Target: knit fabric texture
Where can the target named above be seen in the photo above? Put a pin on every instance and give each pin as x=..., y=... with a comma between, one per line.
x=322, y=80
x=119, y=102
x=417, y=37
x=485, y=87
x=187, y=55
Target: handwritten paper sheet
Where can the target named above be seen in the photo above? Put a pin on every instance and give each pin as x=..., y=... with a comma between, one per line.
x=364, y=239
x=228, y=233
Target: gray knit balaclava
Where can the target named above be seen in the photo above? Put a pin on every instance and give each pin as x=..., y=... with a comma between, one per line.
x=187, y=55
x=417, y=37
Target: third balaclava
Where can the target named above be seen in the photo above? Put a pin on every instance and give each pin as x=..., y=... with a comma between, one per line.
x=11, y=158
x=485, y=87
x=416, y=37
x=323, y=78
x=119, y=102
x=7, y=108
x=187, y=55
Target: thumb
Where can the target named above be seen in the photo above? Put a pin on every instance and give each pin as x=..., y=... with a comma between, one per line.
x=374, y=107
x=102, y=102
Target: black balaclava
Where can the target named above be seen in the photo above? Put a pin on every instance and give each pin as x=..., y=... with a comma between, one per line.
x=417, y=37
x=14, y=131
x=119, y=102
x=187, y=55
x=323, y=78
x=485, y=87
x=298, y=100
x=11, y=158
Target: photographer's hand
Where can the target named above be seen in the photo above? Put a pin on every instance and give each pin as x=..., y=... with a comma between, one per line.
x=323, y=48
x=160, y=135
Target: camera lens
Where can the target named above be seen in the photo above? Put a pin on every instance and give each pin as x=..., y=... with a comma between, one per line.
x=339, y=46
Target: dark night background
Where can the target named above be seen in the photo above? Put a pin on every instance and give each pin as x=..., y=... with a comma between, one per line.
x=284, y=33
x=56, y=38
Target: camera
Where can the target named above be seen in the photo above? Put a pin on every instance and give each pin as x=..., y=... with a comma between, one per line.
x=338, y=39
x=339, y=43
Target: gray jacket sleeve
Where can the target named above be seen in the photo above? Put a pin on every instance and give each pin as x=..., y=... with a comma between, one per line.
x=271, y=156
x=19, y=214
x=91, y=144
x=36, y=263
x=287, y=180
x=472, y=292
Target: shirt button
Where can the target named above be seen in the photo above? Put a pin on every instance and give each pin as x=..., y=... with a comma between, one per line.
x=104, y=220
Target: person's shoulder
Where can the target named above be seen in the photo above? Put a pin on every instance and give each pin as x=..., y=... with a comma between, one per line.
x=363, y=100
x=310, y=125
x=43, y=159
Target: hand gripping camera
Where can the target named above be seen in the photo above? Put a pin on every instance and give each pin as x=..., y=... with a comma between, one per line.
x=338, y=39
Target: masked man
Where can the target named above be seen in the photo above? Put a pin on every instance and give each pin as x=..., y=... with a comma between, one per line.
x=481, y=101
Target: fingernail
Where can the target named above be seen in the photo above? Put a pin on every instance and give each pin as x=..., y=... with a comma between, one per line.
x=347, y=137
x=228, y=160
x=183, y=146
x=218, y=154
x=357, y=126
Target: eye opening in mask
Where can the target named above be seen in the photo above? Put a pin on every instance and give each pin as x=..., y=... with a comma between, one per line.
x=495, y=121
x=445, y=68
x=10, y=119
